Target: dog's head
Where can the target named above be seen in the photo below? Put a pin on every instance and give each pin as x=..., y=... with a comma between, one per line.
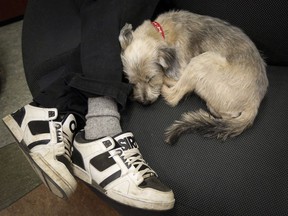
x=144, y=62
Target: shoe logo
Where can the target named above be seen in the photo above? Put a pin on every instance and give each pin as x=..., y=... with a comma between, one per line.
x=51, y=114
x=72, y=126
x=128, y=143
x=107, y=143
x=58, y=127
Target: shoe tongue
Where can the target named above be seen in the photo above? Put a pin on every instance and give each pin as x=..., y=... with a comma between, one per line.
x=126, y=141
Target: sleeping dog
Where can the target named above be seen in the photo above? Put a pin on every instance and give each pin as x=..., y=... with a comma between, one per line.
x=182, y=52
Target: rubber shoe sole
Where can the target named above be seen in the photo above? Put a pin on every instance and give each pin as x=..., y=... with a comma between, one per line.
x=119, y=198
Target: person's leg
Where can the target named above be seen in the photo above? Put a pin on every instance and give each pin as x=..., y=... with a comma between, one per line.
x=100, y=59
x=64, y=83
x=43, y=131
x=50, y=46
x=103, y=156
x=101, y=22
x=102, y=119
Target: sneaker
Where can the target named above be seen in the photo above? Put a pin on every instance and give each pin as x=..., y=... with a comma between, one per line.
x=46, y=139
x=115, y=167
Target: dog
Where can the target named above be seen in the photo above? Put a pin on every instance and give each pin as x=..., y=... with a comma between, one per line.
x=183, y=52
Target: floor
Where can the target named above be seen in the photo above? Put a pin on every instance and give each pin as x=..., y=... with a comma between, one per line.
x=14, y=93
x=42, y=202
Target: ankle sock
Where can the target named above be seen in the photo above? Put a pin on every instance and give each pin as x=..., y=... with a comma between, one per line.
x=102, y=119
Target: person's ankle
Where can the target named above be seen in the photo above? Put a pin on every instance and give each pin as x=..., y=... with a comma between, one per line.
x=102, y=119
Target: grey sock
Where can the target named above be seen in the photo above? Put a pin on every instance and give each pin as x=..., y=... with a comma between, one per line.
x=102, y=119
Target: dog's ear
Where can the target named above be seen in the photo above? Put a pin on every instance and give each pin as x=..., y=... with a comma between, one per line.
x=168, y=59
x=126, y=36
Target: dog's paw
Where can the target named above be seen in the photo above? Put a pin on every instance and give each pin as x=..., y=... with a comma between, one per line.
x=170, y=95
x=169, y=82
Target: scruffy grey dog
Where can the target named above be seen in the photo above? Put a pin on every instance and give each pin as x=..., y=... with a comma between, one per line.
x=183, y=52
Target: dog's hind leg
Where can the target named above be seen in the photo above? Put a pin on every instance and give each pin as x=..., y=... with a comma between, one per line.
x=186, y=84
x=193, y=74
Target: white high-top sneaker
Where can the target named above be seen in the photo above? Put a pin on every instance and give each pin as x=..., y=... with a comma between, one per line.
x=46, y=140
x=115, y=166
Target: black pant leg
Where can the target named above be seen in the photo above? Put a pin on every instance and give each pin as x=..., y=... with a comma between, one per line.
x=101, y=22
x=63, y=76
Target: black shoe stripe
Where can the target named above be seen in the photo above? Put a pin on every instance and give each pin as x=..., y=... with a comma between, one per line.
x=39, y=127
x=110, y=179
x=19, y=116
x=39, y=142
x=102, y=162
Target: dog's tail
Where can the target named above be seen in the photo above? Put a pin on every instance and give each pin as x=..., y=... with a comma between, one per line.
x=206, y=124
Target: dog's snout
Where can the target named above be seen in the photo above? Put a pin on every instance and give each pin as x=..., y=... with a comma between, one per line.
x=144, y=100
x=145, y=94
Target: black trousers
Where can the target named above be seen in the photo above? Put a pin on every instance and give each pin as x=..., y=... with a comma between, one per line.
x=65, y=78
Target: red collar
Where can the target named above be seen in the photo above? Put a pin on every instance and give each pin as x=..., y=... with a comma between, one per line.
x=159, y=28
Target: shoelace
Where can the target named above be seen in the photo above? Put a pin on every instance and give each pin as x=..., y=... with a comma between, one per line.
x=134, y=158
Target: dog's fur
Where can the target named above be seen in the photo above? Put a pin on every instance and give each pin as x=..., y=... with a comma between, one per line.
x=199, y=54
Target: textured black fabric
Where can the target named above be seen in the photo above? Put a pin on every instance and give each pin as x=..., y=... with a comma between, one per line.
x=44, y=36
x=246, y=175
